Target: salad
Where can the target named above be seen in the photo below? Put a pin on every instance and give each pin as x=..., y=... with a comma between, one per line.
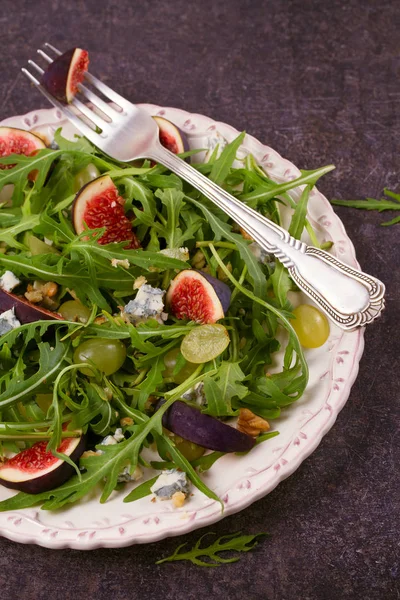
x=138, y=324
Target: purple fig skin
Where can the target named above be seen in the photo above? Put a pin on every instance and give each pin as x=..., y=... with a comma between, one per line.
x=221, y=289
x=58, y=75
x=25, y=311
x=62, y=471
x=206, y=431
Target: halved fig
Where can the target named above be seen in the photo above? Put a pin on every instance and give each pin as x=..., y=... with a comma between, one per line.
x=18, y=141
x=36, y=470
x=198, y=297
x=206, y=431
x=65, y=73
x=171, y=137
x=25, y=311
x=98, y=204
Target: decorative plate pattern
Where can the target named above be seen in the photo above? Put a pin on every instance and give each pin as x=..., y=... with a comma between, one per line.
x=239, y=481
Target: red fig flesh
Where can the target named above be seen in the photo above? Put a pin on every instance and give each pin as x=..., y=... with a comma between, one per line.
x=193, y=296
x=98, y=204
x=25, y=311
x=65, y=73
x=206, y=431
x=171, y=137
x=36, y=470
x=18, y=141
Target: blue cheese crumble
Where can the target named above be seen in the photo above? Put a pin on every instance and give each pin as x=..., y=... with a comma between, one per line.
x=169, y=483
x=147, y=304
x=8, y=321
x=8, y=281
x=196, y=394
x=114, y=438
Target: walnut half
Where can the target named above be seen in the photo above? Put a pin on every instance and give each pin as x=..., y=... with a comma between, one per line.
x=250, y=423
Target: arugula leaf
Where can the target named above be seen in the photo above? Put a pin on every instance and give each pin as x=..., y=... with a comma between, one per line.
x=298, y=221
x=141, y=491
x=80, y=144
x=271, y=190
x=225, y=385
x=222, y=165
x=235, y=542
x=50, y=361
x=153, y=380
x=281, y=284
x=373, y=204
x=216, y=404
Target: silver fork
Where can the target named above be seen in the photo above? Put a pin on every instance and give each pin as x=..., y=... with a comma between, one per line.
x=126, y=133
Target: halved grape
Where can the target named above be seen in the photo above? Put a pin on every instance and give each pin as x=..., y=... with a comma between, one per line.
x=73, y=310
x=204, y=343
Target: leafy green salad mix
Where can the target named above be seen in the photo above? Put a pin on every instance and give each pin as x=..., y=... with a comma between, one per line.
x=50, y=390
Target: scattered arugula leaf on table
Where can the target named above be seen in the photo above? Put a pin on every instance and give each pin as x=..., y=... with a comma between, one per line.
x=234, y=542
x=373, y=204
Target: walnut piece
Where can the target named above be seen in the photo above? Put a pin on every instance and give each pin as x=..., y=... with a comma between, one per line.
x=178, y=499
x=250, y=423
x=245, y=235
x=40, y=291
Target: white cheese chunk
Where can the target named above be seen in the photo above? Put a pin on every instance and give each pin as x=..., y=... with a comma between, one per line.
x=147, y=304
x=8, y=321
x=178, y=253
x=123, y=263
x=8, y=281
x=170, y=482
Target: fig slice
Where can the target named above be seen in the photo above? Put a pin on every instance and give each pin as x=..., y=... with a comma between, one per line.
x=198, y=297
x=65, y=73
x=36, y=470
x=25, y=311
x=18, y=141
x=171, y=137
x=98, y=204
x=191, y=424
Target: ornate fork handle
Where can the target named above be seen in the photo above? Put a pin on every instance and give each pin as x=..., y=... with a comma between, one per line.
x=349, y=297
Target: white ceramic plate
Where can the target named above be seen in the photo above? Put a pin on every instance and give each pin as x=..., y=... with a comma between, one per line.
x=239, y=481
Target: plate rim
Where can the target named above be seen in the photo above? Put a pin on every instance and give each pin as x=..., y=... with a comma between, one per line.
x=10, y=522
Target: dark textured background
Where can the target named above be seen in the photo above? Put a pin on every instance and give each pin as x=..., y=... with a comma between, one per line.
x=319, y=82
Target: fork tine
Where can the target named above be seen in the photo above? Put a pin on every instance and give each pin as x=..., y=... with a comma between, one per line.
x=45, y=56
x=35, y=66
x=103, y=106
x=52, y=48
x=95, y=118
x=104, y=89
x=75, y=120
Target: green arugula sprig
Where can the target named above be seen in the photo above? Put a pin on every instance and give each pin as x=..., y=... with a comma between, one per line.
x=373, y=204
x=234, y=542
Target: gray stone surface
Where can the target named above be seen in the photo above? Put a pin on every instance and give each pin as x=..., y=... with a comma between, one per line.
x=319, y=82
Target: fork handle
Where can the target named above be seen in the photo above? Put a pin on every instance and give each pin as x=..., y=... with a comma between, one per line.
x=349, y=297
